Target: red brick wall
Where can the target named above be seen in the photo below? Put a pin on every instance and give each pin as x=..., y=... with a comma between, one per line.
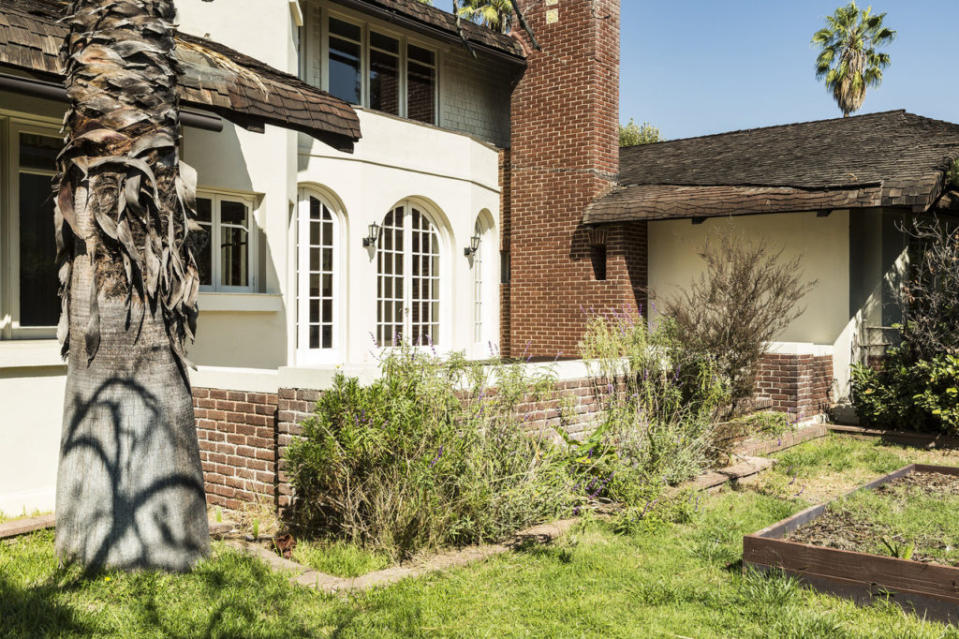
x=505, y=230
x=796, y=384
x=296, y=405
x=244, y=436
x=237, y=435
x=564, y=152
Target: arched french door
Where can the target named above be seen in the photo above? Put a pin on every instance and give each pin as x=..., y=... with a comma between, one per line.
x=409, y=274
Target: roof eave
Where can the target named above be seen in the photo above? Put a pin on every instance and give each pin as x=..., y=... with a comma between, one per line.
x=423, y=28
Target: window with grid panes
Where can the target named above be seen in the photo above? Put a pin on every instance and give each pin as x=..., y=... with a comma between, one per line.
x=317, y=246
x=408, y=279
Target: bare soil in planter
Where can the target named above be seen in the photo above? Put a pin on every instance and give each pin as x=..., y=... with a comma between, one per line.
x=914, y=517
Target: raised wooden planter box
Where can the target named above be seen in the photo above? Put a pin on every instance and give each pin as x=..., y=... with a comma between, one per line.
x=928, y=589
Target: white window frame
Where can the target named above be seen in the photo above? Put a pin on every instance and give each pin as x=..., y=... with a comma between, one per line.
x=485, y=292
x=14, y=128
x=446, y=340
x=217, y=197
x=404, y=41
x=304, y=355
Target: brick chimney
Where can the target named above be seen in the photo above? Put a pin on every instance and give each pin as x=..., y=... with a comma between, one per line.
x=564, y=153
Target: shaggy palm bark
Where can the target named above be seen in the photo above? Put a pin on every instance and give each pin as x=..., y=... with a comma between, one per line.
x=130, y=485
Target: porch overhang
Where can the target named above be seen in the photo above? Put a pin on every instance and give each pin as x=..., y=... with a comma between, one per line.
x=646, y=202
x=215, y=79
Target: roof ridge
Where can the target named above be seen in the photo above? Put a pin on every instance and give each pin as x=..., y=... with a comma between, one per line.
x=780, y=126
x=752, y=185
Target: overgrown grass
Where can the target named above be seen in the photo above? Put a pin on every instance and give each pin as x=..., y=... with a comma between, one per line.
x=340, y=559
x=829, y=467
x=662, y=579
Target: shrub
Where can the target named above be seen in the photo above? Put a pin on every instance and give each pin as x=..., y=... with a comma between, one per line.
x=660, y=404
x=917, y=384
x=928, y=301
x=922, y=395
x=426, y=456
x=746, y=296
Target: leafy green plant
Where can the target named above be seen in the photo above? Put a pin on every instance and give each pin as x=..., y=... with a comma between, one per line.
x=660, y=403
x=632, y=134
x=256, y=529
x=922, y=395
x=899, y=549
x=431, y=454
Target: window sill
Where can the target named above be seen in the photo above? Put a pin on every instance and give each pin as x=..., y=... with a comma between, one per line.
x=33, y=353
x=212, y=302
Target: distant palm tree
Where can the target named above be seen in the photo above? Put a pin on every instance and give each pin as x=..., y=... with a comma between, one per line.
x=849, y=60
x=495, y=14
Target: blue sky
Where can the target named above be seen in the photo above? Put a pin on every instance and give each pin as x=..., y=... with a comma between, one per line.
x=706, y=66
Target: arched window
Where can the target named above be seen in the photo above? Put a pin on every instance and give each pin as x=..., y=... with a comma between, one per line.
x=482, y=266
x=408, y=278
x=318, y=261
x=478, y=283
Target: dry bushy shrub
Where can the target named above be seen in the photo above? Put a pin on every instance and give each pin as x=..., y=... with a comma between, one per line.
x=747, y=294
x=930, y=306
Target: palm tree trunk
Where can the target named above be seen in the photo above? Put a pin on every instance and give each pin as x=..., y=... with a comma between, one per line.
x=130, y=484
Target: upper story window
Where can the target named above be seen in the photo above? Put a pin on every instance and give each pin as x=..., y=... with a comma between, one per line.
x=421, y=91
x=379, y=70
x=346, y=48
x=225, y=254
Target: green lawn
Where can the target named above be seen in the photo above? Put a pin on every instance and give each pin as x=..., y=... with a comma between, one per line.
x=661, y=579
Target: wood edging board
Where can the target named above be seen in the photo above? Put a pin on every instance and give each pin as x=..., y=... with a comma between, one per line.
x=908, y=438
x=929, y=589
x=19, y=527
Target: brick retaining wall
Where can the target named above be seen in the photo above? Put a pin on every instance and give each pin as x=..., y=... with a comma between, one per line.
x=237, y=435
x=796, y=384
x=244, y=436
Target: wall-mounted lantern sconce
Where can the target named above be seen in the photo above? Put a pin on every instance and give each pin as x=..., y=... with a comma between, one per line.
x=471, y=250
x=374, y=236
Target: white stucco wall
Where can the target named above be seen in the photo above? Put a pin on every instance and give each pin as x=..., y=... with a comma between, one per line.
x=262, y=29
x=821, y=244
x=32, y=385
x=451, y=176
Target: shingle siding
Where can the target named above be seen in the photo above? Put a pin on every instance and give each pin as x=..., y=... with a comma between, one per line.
x=475, y=96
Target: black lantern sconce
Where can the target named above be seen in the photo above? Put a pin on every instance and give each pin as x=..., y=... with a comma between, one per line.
x=374, y=235
x=471, y=250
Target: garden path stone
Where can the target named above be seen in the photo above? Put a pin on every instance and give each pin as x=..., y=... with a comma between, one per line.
x=269, y=557
x=541, y=534
x=29, y=525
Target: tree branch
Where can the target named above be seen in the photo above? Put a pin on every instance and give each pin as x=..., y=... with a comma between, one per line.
x=525, y=25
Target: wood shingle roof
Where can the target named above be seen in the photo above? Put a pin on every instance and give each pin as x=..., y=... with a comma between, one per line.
x=890, y=159
x=214, y=78
x=445, y=21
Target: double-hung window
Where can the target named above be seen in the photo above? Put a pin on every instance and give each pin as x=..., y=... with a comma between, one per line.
x=225, y=249
x=36, y=306
x=369, y=67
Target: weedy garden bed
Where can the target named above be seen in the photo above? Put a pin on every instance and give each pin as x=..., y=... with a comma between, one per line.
x=893, y=538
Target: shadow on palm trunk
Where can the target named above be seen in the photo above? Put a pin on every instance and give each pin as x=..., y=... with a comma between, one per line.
x=130, y=488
